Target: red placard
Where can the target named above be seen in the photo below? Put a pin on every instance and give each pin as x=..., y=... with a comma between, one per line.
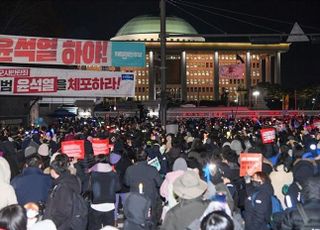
x=73, y=148
x=250, y=163
x=268, y=135
x=100, y=146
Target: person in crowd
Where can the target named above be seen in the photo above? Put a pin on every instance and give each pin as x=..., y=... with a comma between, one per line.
x=8, y=195
x=258, y=206
x=105, y=183
x=311, y=206
x=120, y=167
x=137, y=210
x=13, y=217
x=217, y=220
x=59, y=204
x=189, y=188
x=149, y=178
x=32, y=185
x=281, y=175
x=166, y=189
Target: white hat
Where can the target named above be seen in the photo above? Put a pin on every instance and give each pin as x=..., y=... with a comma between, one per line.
x=189, y=185
x=43, y=150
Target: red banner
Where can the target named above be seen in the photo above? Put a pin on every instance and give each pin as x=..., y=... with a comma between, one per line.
x=100, y=146
x=73, y=148
x=268, y=135
x=232, y=71
x=250, y=163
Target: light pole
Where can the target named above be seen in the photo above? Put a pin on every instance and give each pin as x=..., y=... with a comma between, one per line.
x=256, y=94
x=163, y=95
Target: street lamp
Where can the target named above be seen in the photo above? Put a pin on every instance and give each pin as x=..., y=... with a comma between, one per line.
x=256, y=94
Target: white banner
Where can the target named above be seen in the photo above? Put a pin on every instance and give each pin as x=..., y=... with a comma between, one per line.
x=60, y=82
x=57, y=51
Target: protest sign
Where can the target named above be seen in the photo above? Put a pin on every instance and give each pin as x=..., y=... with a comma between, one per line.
x=250, y=163
x=100, y=146
x=73, y=148
x=268, y=135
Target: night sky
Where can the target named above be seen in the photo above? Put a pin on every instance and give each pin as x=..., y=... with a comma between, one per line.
x=101, y=19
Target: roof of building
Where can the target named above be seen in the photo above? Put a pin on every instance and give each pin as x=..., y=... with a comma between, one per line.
x=147, y=28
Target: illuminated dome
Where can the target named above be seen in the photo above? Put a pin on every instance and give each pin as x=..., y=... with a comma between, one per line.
x=147, y=28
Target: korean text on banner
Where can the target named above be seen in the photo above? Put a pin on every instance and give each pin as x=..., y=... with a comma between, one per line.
x=100, y=146
x=57, y=51
x=128, y=54
x=268, y=135
x=250, y=163
x=60, y=82
x=73, y=148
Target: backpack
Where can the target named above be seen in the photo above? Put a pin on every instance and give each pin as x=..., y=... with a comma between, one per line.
x=275, y=202
x=79, y=219
x=307, y=223
x=137, y=211
x=277, y=210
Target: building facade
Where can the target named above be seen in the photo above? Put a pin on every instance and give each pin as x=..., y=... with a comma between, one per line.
x=196, y=69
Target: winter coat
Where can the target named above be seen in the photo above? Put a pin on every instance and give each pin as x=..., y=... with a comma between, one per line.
x=258, y=211
x=8, y=195
x=121, y=168
x=143, y=173
x=293, y=220
x=105, y=184
x=32, y=186
x=184, y=213
x=166, y=187
x=59, y=204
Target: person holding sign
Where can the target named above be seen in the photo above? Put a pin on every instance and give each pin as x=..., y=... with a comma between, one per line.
x=258, y=207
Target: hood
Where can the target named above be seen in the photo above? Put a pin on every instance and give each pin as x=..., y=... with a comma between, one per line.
x=5, y=172
x=71, y=180
x=236, y=146
x=302, y=170
x=101, y=167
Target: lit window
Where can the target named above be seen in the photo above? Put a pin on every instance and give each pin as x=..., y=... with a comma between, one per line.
x=139, y=81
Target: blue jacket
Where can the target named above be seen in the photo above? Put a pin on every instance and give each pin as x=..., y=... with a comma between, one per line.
x=32, y=185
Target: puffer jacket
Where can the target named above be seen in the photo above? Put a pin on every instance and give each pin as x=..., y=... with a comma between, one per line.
x=293, y=220
x=258, y=207
x=8, y=195
x=59, y=204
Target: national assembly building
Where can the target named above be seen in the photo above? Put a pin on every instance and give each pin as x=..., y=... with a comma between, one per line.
x=197, y=69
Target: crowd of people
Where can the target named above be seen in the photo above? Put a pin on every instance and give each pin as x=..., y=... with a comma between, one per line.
x=188, y=179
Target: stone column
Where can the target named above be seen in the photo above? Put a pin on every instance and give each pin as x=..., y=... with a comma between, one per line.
x=268, y=69
x=277, y=69
x=248, y=77
x=183, y=75
x=216, y=76
x=152, y=80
